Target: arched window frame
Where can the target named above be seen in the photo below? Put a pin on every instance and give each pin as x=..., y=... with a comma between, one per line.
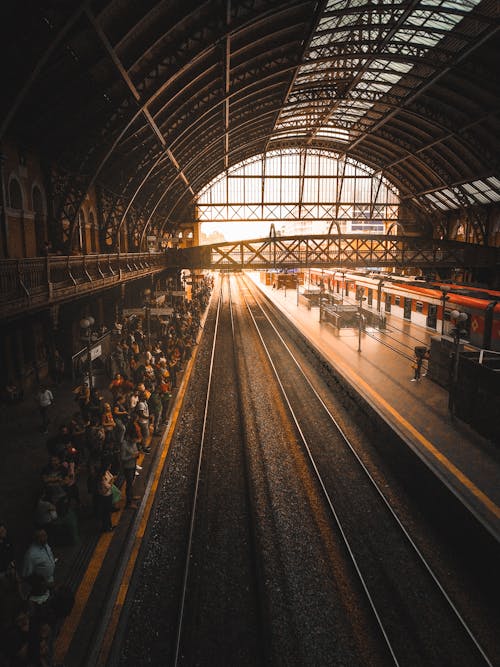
x=304, y=189
x=14, y=179
x=37, y=186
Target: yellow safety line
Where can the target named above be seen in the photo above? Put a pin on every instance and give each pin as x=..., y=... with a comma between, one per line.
x=81, y=598
x=84, y=590
x=480, y=495
x=124, y=585
x=123, y=590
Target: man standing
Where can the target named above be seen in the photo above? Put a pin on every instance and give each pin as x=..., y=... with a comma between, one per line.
x=155, y=409
x=39, y=559
x=45, y=400
x=143, y=421
x=129, y=454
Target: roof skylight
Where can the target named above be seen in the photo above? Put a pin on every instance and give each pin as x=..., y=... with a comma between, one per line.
x=358, y=52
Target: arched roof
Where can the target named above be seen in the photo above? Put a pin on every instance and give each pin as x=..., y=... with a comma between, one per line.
x=153, y=99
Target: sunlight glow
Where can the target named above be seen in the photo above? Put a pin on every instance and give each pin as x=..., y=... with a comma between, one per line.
x=300, y=191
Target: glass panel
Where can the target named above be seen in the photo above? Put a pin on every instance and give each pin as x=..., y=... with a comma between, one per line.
x=330, y=188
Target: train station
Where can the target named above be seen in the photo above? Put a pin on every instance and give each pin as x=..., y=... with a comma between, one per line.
x=250, y=333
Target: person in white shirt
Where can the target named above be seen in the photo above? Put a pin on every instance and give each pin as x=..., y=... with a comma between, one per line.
x=143, y=421
x=39, y=558
x=45, y=400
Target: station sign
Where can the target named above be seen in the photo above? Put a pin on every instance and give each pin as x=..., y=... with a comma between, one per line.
x=95, y=352
x=178, y=293
x=161, y=311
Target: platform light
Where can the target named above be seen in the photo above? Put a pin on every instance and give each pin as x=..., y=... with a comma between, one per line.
x=86, y=324
x=458, y=318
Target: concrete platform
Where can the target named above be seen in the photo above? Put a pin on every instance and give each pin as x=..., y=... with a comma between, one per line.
x=466, y=462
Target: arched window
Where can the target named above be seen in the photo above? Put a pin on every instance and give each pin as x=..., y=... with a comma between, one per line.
x=15, y=195
x=37, y=200
x=460, y=232
x=300, y=191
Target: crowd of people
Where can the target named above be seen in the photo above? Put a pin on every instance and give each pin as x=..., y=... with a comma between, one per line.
x=96, y=449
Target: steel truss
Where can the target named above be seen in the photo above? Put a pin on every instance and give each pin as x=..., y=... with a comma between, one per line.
x=360, y=251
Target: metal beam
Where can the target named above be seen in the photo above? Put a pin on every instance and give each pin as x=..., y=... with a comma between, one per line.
x=137, y=97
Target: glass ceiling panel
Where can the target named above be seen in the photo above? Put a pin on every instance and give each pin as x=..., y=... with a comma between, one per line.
x=476, y=192
x=303, y=189
x=342, y=59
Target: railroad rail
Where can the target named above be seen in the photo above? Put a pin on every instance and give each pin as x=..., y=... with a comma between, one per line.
x=392, y=561
x=327, y=571
x=220, y=490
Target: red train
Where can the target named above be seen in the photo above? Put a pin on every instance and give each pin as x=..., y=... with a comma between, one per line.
x=427, y=304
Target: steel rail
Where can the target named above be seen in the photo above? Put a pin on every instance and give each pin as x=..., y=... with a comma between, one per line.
x=197, y=481
x=319, y=478
x=374, y=484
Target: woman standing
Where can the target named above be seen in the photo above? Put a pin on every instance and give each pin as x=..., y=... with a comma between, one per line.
x=129, y=456
x=105, y=496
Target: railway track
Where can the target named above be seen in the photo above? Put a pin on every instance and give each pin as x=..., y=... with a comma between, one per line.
x=416, y=616
x=271, y=542
x=220, y=523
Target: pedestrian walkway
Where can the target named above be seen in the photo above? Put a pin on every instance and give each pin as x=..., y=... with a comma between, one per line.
x=418, y=411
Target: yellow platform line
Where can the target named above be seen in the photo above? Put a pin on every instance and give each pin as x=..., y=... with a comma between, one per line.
x=84, y=590
x=124, y=585
x=432, y=449
x=127, y=575
x=82, y=595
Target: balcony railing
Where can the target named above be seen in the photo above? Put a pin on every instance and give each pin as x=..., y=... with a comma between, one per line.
x=28, y=284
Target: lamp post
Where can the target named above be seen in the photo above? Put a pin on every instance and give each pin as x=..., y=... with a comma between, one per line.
x=147, y=306
x=459, y=319
x=361, y=298
x=445, y=299
x=343, y=280
x=86, y=324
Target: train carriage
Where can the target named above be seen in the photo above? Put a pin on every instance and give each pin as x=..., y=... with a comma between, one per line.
x=424, y=303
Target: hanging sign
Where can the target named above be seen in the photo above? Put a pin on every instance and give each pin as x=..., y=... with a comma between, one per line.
x=161, y=311
x=133, y=311
x=95, y=352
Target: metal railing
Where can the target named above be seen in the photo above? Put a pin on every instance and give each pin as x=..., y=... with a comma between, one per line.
x=27, y=284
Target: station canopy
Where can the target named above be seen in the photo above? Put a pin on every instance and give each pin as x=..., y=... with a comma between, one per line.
x=152, y=100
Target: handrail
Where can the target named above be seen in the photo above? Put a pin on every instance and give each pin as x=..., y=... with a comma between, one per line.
x=24, y=284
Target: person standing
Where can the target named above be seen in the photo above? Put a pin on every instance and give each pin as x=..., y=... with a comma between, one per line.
x=155, y=410
x=129, y=453
x=143, y=421
x=39, y=558
x=417, y=366
x=105, y=496
x=82, y=395
x=45, y=400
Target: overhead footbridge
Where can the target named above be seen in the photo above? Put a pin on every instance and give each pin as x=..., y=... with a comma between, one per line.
x=358, y=251
x=35, y=283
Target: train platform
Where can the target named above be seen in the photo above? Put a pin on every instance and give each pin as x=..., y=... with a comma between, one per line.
x=87, y=558
x=467, y=463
